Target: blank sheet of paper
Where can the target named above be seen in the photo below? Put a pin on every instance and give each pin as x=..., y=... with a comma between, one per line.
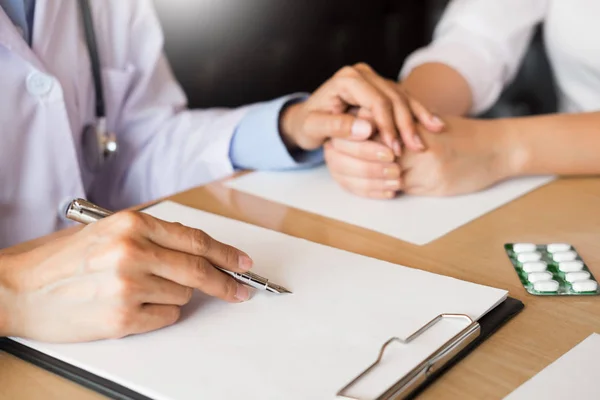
x=572, y=376
x=305, y=345
x=418, y=220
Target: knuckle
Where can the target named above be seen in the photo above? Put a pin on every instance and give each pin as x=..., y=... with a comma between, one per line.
x=173, y=314
x=122, y=321
x=336, y=124
x=124, y=251
x=376, y=172
x=230, y=289
x=403, y=93
x=189, y=292
x=398, y=98
x=200, y=274
x=348, y=71
x=231, y=255
x=129, y=221
x=330, y=156
x=363, y=66
x=383, y=104
x=124, y=288
x=177, y=225
x=344, y=183
x=201, y=242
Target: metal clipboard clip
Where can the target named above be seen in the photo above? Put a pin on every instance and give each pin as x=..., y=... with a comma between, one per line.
x=412, y=380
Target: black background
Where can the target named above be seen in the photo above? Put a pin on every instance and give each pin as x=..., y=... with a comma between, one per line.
x=227, y=53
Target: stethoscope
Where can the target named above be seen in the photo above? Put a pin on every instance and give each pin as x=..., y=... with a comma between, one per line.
x=98, y=144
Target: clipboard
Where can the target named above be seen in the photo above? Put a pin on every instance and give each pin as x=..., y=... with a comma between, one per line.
x=406, y=387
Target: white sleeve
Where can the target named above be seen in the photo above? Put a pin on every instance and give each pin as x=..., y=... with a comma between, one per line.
x=485, y=41
x=163, y=147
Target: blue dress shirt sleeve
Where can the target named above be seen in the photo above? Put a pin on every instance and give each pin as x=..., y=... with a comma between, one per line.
x=257, y=142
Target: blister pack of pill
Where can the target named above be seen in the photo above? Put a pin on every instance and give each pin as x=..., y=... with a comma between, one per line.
x=551, y=269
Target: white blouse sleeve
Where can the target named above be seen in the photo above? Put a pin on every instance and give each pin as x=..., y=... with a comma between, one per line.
x=485, y=41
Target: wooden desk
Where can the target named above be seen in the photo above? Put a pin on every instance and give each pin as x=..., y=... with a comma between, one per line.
x=564, y=211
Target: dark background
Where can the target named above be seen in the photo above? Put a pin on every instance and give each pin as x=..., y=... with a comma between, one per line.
x=227, y=53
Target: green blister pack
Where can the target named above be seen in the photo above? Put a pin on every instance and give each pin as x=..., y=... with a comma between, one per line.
x=554, y=269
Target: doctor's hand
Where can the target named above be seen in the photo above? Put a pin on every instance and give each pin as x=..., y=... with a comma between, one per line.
x=126, y=274
x=387, y=109
x=366, y=169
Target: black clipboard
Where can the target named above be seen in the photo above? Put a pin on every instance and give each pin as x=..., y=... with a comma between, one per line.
x=487, y=325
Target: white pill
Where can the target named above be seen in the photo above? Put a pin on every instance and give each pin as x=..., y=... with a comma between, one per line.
x=524, y=247
x=556, y=247
x=564, y=256
x=546, y=286
x=534, y=266
x=539, y=276
x=570, y=266
x=577, y=276
x=585, y=286
x=529, y=256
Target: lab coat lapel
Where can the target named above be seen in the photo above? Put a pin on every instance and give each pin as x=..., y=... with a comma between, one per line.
x=58, y=37
x=13, y=41
x=52, y=19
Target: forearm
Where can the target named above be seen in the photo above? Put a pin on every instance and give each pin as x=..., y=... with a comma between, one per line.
x=561, y=144
x=440, y=88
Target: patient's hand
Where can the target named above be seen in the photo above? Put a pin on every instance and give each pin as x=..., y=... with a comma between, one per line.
x=469, y=156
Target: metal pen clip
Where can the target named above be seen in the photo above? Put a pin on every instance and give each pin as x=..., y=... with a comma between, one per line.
x=418, y=375
x=85, y=212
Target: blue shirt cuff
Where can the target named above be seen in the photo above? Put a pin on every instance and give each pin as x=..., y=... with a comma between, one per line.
x=257, y=142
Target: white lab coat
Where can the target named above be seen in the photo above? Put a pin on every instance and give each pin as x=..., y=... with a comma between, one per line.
x=47, y=96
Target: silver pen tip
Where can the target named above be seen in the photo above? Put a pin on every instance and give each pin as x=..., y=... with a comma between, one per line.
x=274, y=288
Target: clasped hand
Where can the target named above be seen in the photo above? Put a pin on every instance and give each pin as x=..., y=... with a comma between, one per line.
x=465, y=156
x=379, y=140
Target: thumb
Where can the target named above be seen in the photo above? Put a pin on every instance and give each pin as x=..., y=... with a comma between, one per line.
x=322, y=126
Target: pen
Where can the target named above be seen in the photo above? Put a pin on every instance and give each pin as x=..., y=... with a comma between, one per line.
x=85, y=212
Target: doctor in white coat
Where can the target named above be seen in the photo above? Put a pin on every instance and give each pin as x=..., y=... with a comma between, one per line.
x=130, y=273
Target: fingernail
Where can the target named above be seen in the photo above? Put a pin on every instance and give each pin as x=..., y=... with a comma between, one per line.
x=242, y=293
x=385, y=156
x=437, y=121
x=397, y=147
x=245, y=263
x=361, y=129
x=392, y=184
x=419, y=142
x=391, y=172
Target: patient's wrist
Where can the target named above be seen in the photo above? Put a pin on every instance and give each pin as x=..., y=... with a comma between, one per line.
x=513, y=154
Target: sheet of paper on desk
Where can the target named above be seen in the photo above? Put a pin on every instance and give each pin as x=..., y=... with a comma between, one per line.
x=305, y=345
x=573, y=376
x=418, y=220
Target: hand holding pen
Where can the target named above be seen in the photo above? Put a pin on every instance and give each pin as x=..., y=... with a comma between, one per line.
x=85, y=212
x=123, y=275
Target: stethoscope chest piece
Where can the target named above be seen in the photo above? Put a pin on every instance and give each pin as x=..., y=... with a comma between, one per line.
x=98, y=145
